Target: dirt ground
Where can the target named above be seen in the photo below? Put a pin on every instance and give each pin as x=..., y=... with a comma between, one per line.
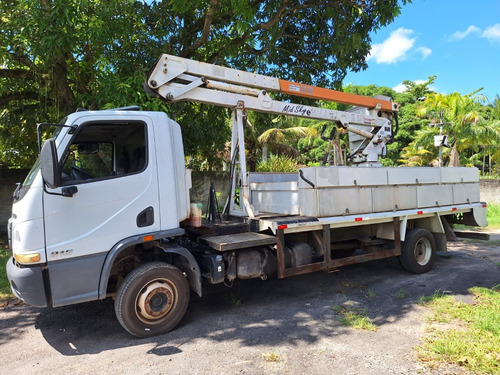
x=256, y=327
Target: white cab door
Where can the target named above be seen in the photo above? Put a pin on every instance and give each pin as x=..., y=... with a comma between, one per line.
x=112, y=165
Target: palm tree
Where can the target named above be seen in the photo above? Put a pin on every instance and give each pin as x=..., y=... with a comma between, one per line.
x=416, y=156
x=493, y=149
x=278, y=139
x=458, y=116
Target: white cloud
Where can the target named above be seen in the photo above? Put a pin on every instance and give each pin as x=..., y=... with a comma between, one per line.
x=394, y=48
x=401, y=87
x=459, y=35
x=492, y=33
x=425, y=52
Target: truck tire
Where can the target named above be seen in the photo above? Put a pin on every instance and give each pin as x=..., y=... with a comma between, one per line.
x=418, y=251
x=152, y=299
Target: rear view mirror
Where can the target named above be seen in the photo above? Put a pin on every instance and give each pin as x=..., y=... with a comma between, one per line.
x=88, y=148
x=49, y=164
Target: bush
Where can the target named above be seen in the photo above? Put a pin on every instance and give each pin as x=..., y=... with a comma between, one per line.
x=277, y=163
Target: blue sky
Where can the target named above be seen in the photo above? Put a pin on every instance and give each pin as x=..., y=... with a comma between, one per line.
x=456, y=40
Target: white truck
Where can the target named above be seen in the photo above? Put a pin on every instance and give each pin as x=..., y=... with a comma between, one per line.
x=104, y=211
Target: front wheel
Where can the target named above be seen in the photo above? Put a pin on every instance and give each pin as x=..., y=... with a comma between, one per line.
x=152, y=299
x=418, y=251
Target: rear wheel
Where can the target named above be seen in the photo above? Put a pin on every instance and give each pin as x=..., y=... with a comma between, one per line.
x=152, y=299
x=418, y=251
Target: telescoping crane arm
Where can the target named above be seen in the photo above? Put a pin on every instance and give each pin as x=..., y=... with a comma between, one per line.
x=178, y=79
x=169, y=67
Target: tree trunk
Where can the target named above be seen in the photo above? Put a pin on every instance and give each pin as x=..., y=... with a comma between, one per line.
x=65, y=98
x=454, y=160
x=484, y=157
x=264, y=152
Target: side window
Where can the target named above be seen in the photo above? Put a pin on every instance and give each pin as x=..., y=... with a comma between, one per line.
x=105, y=150
x=88, y=160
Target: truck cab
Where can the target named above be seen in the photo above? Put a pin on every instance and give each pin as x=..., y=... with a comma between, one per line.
x=113, y=178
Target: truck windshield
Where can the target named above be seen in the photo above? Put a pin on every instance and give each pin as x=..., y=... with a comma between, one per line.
x=32, y=173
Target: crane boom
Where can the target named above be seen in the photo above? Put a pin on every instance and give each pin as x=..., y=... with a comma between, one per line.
x=169, y=67
x=178, y=79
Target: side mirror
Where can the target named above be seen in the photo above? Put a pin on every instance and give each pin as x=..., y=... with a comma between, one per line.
x=49, y=164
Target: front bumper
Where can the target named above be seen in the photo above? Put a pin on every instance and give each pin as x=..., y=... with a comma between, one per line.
x=27, y=284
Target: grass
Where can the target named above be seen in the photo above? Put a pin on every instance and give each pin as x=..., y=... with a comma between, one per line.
x=482, y=242
x=353, y=317
x=271, y=357
x=462, y=334
x=401, y=293
x=493, y=215
x=4, y=256
x=490, y=176
x=425, y=300
x=234, y=300
x=370, y=294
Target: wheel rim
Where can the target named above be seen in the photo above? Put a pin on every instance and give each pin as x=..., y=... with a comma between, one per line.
x=423, y=251
x=155, y=301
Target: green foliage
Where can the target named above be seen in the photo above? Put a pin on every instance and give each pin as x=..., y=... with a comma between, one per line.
x=57, y=55
x=278, y=164
x=417, y=91
x=271, y=357
x=423, y=300
x=234, y=300
x=462, y=117
x=401, y=293
x=467, y=335
x=493, y=215
x=413, y=156
x=354, y=317
x=205, y=131
x=312, y=150
x=5, y=254
x=282, y=139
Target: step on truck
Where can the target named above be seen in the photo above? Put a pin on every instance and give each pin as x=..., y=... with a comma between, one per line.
x=106, y=212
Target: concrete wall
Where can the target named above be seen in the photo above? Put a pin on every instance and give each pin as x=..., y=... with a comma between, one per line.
x=8, y=179
x=201, y=187
x=490, y=191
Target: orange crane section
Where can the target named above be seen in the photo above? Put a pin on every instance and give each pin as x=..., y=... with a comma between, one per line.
x=313, y=92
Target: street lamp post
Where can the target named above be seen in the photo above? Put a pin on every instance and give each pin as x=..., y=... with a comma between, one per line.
x=440, y=140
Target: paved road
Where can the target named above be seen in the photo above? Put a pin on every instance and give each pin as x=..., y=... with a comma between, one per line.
x=256, y=327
